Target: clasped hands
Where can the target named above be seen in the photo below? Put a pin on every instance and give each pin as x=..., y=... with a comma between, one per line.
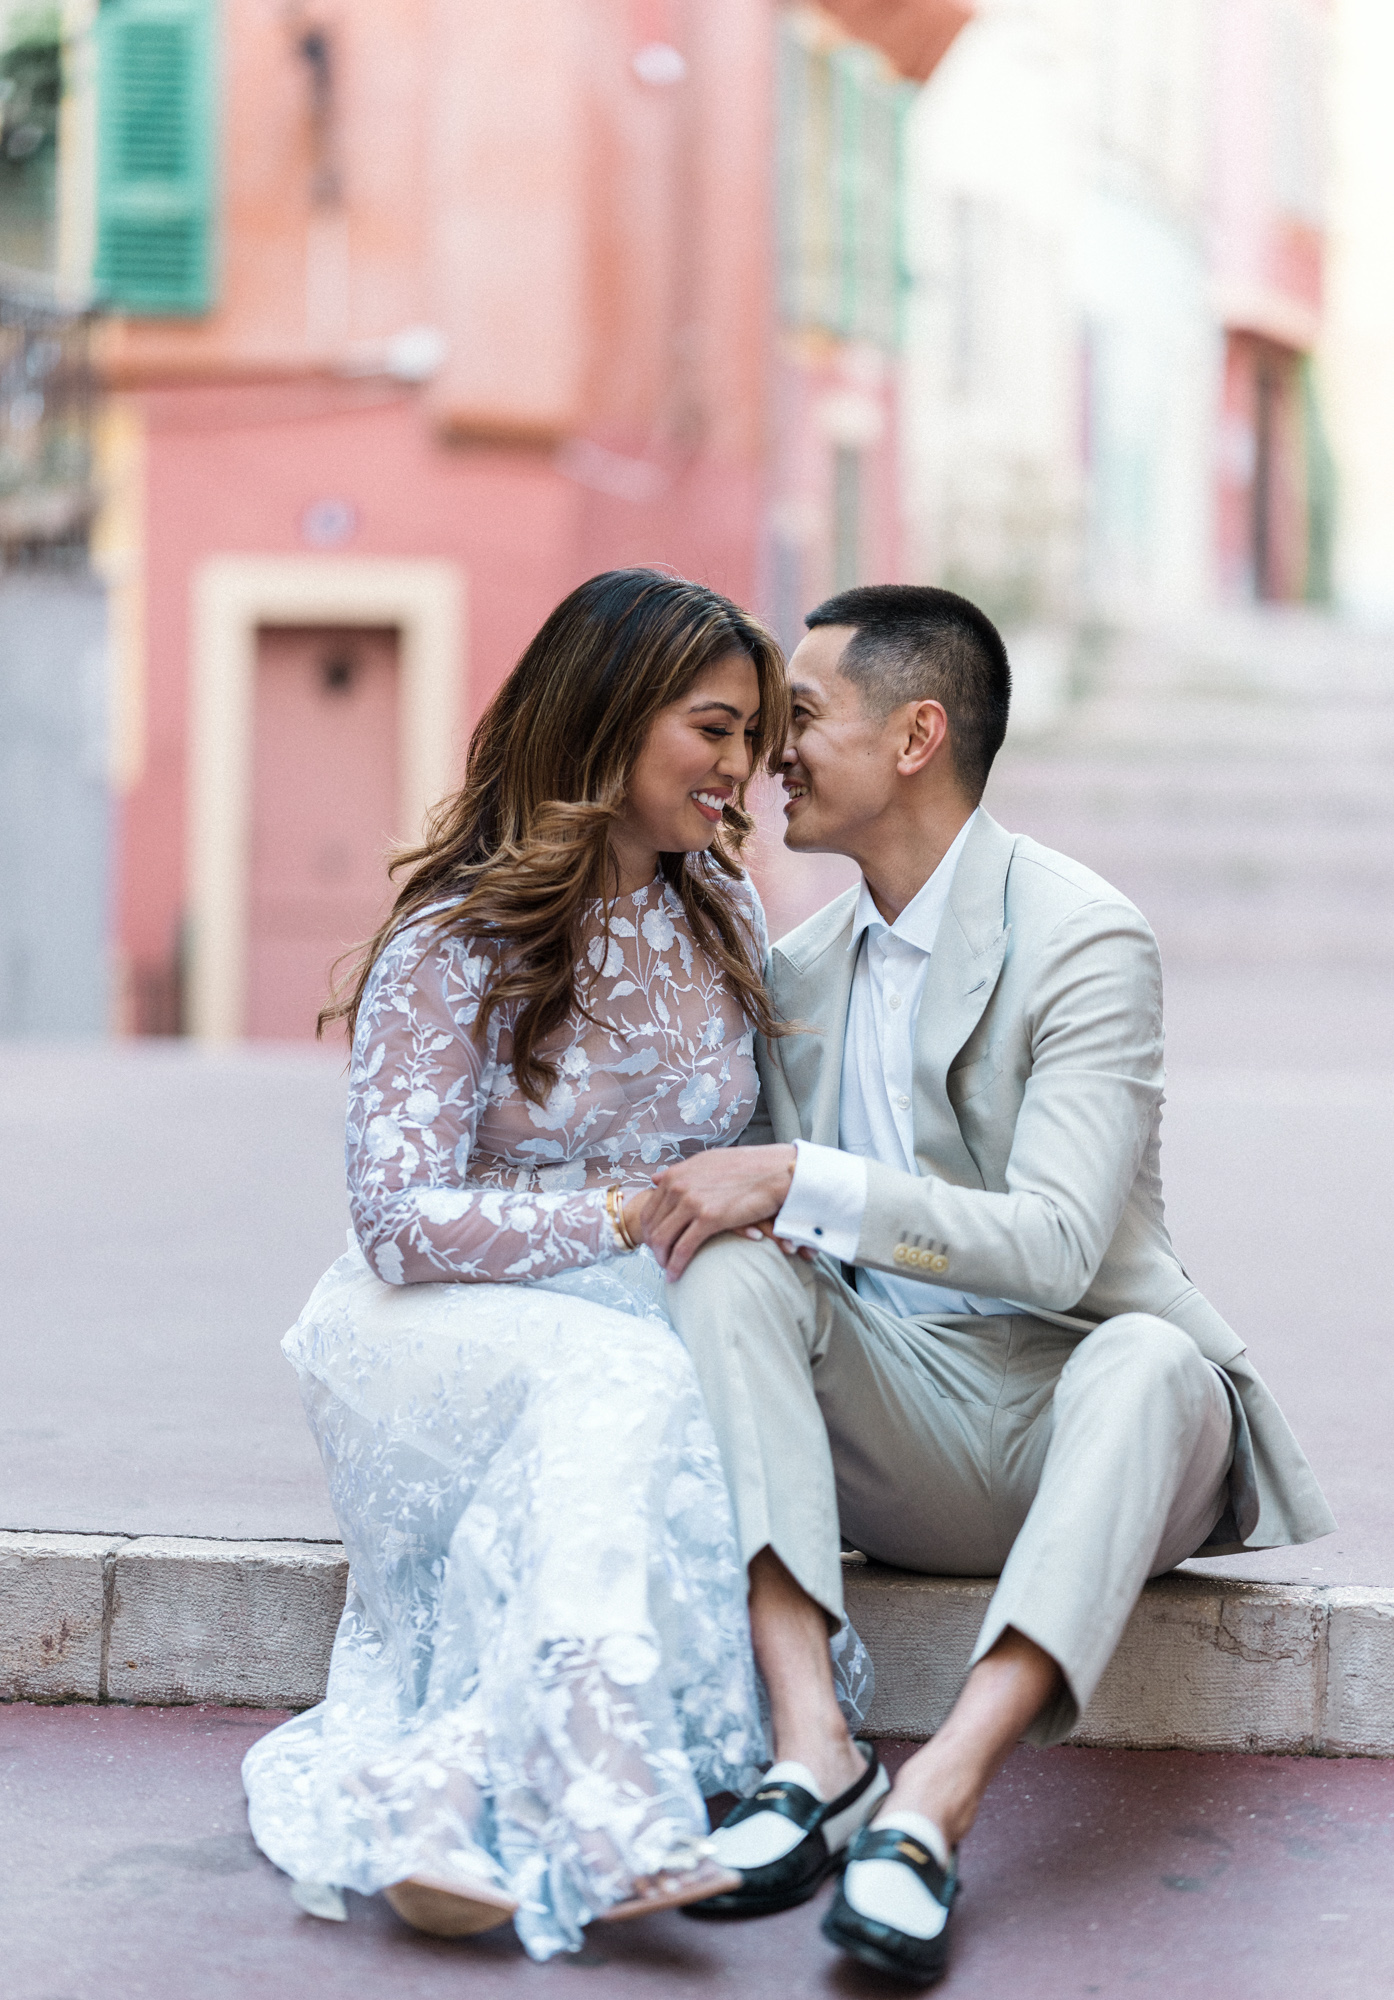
x=739, y=1188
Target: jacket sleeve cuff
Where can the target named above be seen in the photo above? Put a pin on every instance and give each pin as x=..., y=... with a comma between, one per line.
x=826, y=1201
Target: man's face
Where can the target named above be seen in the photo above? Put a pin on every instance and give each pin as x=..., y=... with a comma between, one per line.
x=840, y=760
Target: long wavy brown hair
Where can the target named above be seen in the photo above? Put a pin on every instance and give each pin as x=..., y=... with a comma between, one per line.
x=522, y=849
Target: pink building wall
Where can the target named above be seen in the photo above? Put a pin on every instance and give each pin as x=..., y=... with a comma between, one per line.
x=594, y=251
x=575, y=197
x=235, y=472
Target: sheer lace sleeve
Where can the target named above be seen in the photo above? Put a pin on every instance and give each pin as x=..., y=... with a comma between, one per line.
x=418, y=1082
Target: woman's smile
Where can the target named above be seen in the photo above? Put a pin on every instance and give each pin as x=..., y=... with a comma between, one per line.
x=711, y=803
x=696, y=758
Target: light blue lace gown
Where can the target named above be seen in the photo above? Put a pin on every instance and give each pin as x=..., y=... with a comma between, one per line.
x=543, y=1663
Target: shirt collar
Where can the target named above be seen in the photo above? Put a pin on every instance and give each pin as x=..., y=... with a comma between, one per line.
x=918, y=923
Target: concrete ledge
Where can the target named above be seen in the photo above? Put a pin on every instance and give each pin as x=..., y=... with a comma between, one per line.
x=1358, y=1717
x=53, y=1615
x=1202, y=1665
x=246, y=1623
x=1205, y=1664
x=1222, y=1665
x=165, y=1619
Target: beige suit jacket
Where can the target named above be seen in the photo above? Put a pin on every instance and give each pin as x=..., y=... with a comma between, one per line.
x=1038, y=1101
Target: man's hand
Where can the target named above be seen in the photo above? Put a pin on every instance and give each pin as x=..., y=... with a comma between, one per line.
x=730, y=1187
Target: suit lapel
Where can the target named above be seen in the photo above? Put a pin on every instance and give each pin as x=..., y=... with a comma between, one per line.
x=825, y=1119
x=964, y=968
x=814, y=994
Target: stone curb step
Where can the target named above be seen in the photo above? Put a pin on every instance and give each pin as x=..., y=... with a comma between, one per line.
x=167, y=1619
x=1205, y=1663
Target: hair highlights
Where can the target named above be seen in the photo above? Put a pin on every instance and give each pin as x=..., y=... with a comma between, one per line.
x=522, y=849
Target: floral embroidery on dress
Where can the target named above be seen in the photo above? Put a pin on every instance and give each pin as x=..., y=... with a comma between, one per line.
x=454, y=1174
x=544, y=1661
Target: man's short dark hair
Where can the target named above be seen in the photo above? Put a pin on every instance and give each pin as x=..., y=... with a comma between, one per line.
x=915, y=643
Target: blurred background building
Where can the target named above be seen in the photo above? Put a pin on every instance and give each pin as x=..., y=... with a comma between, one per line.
x=1118, y=242
x=339, y=341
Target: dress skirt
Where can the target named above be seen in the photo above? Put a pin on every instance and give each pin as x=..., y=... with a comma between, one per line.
x=544, y=1657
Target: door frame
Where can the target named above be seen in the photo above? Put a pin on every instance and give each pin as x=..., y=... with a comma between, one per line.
x=232, y=597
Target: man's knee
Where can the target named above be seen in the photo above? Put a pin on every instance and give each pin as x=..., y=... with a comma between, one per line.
x=1154, y=1357
x=734, y=1285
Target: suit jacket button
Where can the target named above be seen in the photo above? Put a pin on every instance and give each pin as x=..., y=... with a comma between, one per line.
x=899, y=1254
x=938, y=1263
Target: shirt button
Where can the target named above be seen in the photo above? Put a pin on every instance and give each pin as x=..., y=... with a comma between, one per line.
x=902, y=1102
x=894, y=999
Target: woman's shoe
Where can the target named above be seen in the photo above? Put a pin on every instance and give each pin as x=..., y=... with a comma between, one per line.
x=674, y=1890
x=919, y=1960
x=784, y=1841
x=430, y=1906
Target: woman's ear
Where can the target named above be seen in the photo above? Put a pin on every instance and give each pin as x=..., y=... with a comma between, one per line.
x=926, y=733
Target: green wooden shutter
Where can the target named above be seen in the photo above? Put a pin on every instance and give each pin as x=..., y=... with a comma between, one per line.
x=155, y=155
x=840, y=171
x=871, y=108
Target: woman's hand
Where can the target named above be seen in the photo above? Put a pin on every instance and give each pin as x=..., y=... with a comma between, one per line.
x=724, y=1188
x=639, y=1206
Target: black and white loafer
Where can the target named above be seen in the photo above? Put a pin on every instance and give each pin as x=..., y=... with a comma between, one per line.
x=919, y=1956
x=784, y=1841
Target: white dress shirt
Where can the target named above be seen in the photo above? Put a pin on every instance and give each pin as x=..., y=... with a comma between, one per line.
x=827, y=1197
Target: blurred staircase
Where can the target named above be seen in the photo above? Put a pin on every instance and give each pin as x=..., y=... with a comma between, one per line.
x=1235, y=778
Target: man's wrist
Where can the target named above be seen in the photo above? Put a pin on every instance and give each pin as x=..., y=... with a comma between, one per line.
x=825, y=1203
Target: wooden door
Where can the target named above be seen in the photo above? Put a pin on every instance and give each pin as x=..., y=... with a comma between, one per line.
x=324, y=813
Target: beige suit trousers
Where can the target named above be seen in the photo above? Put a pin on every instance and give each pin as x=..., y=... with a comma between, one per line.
x=1072, y=1467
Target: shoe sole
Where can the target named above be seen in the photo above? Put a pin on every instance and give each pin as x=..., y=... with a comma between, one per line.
x=867, y=1953
x=444, y=1913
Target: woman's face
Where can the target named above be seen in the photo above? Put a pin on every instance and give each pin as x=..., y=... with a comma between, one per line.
x=698, y=750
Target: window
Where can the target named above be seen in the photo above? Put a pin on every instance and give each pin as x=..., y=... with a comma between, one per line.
x=841, y=114
x=155, y=116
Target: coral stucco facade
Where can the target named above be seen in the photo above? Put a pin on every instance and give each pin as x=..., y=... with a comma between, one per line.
x=572, y=260
x=496, y=303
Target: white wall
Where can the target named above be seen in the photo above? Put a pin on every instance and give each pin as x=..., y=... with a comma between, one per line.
x=55, y=806
x=1356, y=353
x=990, y=418
x=1062, y=357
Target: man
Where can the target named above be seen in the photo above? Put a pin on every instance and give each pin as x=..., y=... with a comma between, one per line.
x=986, y=1358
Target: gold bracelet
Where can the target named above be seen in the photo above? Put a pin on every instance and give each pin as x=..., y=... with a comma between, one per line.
x=614, y=1208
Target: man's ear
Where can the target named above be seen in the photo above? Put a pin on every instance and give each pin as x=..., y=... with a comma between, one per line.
x=926, y=733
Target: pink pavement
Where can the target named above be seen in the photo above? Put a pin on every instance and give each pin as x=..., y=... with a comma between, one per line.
x=130, y=1875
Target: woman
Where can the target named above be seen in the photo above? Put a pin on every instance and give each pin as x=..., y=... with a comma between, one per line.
x=543, y=1663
